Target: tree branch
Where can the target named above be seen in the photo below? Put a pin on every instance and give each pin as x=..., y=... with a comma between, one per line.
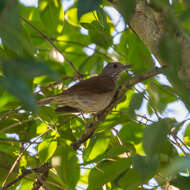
x=41, y=178
x=43, y=169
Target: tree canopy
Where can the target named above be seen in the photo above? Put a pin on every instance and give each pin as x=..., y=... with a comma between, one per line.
x=134, y=143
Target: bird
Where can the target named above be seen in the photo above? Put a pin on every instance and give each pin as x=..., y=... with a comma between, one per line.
x=91, y=95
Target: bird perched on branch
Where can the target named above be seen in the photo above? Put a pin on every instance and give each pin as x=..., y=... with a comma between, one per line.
x=91, y=95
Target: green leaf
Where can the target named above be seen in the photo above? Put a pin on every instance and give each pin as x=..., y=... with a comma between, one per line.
x=19, y=74
x=135, y=103
x=181, y=182
x=133, y=51
x=102, y=17
x=112, y=152
x=5, y=100
x=160, y=96
x=187, y=135
x=6, y=160
x=145, y=166
x=47, y=114
x=98, y=34
x=72, y=16
x=28, y=68
x=66, y=164
x=107, y=171
x=46, y=149
x=66, y=132
x=19, y=89
x=11, y=32
x=26, y=184
x=180, y=164
x=155, y=136
x=18, y=81
x=97, y=146
x=130, y=180
x=85, y=6
x=170, y=51
x=132, y=132
x=126, y=8
x=52, y=15
x=2, y=5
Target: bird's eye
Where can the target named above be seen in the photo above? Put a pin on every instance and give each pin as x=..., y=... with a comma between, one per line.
x=115, y=66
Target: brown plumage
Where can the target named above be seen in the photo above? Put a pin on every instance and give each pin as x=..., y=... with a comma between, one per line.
x=90, y=95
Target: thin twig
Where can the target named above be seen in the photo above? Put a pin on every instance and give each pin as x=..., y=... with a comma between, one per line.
x=118, y=136
x=14, y=140
x=120, y=142
x=183, y=143
x=178, y=145
x=20, y=155
x=6, y=115
x=47, y=38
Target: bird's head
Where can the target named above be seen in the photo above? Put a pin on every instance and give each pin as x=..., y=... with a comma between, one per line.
x=114, y=69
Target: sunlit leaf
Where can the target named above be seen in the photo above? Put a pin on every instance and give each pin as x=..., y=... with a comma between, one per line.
x=52, y=15
x=26, y=184
x=66, y=164
x=105, y=172
x=97, y=146
x=46, y=149
x=132, y=132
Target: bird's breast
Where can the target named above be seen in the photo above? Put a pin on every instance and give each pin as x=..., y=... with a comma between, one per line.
x=94, y=102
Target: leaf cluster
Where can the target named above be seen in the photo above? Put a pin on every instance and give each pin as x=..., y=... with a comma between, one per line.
x=136, y=143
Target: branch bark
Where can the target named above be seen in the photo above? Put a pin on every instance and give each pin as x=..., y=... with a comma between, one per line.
x=150, y=25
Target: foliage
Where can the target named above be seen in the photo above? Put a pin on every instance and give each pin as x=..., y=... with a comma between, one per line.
x=137, y=141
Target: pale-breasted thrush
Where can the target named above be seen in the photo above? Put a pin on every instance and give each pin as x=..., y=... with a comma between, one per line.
x=90, y=95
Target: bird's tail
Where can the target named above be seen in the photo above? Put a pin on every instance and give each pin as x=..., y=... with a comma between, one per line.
x=48, y=100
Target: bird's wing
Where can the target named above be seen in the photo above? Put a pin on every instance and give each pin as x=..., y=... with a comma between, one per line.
x=67, y=109
x=96, y=85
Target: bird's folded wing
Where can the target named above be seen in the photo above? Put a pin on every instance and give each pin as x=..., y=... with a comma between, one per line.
x=95, y=85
